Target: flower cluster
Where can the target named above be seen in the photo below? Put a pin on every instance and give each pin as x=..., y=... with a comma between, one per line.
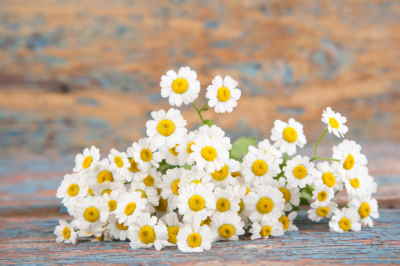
x=190, y=188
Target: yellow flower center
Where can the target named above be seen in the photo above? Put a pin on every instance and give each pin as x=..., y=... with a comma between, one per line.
x=289, y=134
x=266, y=230
x=364, y=210
x=209, y=153
x=196, y=203
x=349, y=162
x=73, y=190
x=286, y=194
x=206, y=221
x=322, y=195
x=112, y=205
x=118, y=161
x=173, y=151
x=223, y=94
x=121, y=226
x=66, y=233
x=259, y=167
x=334, y=123
x=241, y=205
x=133, y=165
x=189, y=147
x=146, y=155
x=265, y=205
x=322, y=211
x=90, y=192
x=142, y=193
x=223, y=205
x=196, y=181
x=284, y=220
x=130, y=208
x=329, y=179
x=345, y=224
x=226, y=231
x=166, y=127
x=300, y=172
x=91, y=214
x=106, y=191
x=194, y=240
x=175, y=186
x=87, y=162
x=180, y=85
x=146, y=234
x=162, y=205
x=172, y=233
x=105, y=175
x=148, y=181
x=235, y=174
x=355, y=182
x=221, y=174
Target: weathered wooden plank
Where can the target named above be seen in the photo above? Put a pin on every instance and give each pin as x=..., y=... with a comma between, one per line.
x=29, y=240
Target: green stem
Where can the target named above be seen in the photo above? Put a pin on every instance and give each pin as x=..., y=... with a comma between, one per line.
x=199, y=112
x=320, y=138
x=317, y=158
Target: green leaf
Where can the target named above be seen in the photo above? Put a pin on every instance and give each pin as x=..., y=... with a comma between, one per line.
x=208, y=122
x=241, y=146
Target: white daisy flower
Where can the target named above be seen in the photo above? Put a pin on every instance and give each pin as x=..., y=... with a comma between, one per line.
x=208, y=154
x=130, y=205
x=345, y=220
x=287, y=221
x=107, y=188
x=322, y=195
x=335, y=122
x=266, y=147
x=195, y=176
x=264, y=201
x=223, y=176
x=86, y=159
x=184, y=149
x=300, y=172
x=266, y=228
x=117, y=230
x=367, y=209
x=287, y=136
x=91, y=215
x=145, y=153
x=102, y=172
x=196, y=202
x=359, y=183
x=258, y=165
x=290, y=195
x=150, y=194
x=180, y=88
x=65, y=233
x=171, y=154
x=147, y=232
x=227, y=199
x=170, y=186
x=227, y=226
x=171, y=220
x=223, y=94
x=349, y=154
x=216, y=134
x=152, y=178
x=112, y=199
x=134, y=171
x=329, y=176
x=119, y=161
x=194, y=238
x=72, y=188
x=166, y=128
x=317, y=212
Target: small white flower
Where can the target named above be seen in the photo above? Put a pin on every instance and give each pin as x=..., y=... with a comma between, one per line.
x=359, y=183
x=65, y=233
x=171, y=183
x=227, y=226
x=130, y=205
x=119, y=161
x=196, y=202
x=166, y=128
x=290, y=195
x=367, y=209
x=216, y=134
x=322, y=195
x=184, y=149
x=223, y=176
x=171, y=154
x=223, y=94
x=264, y=201
x=147, y=232
x=300, y=172
x=345, y=220
x=265, y=228
x=329, y=175
x=317, y=212
x=72, y=188
x=194, y=238
x=180, y=88
x=145, y=153
x=117, y=230
x=287, y=136
x=86, y=159
x=335, y=122
x=112, y=199
x=349, y=154
x=227, y=199
x=152, y=178
x=149, y=194
x=173, y=224
x=287, y=221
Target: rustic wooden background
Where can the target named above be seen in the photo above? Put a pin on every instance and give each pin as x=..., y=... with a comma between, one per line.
x=80, y=72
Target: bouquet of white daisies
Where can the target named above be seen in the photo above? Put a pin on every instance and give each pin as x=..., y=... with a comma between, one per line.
x=185, y=188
